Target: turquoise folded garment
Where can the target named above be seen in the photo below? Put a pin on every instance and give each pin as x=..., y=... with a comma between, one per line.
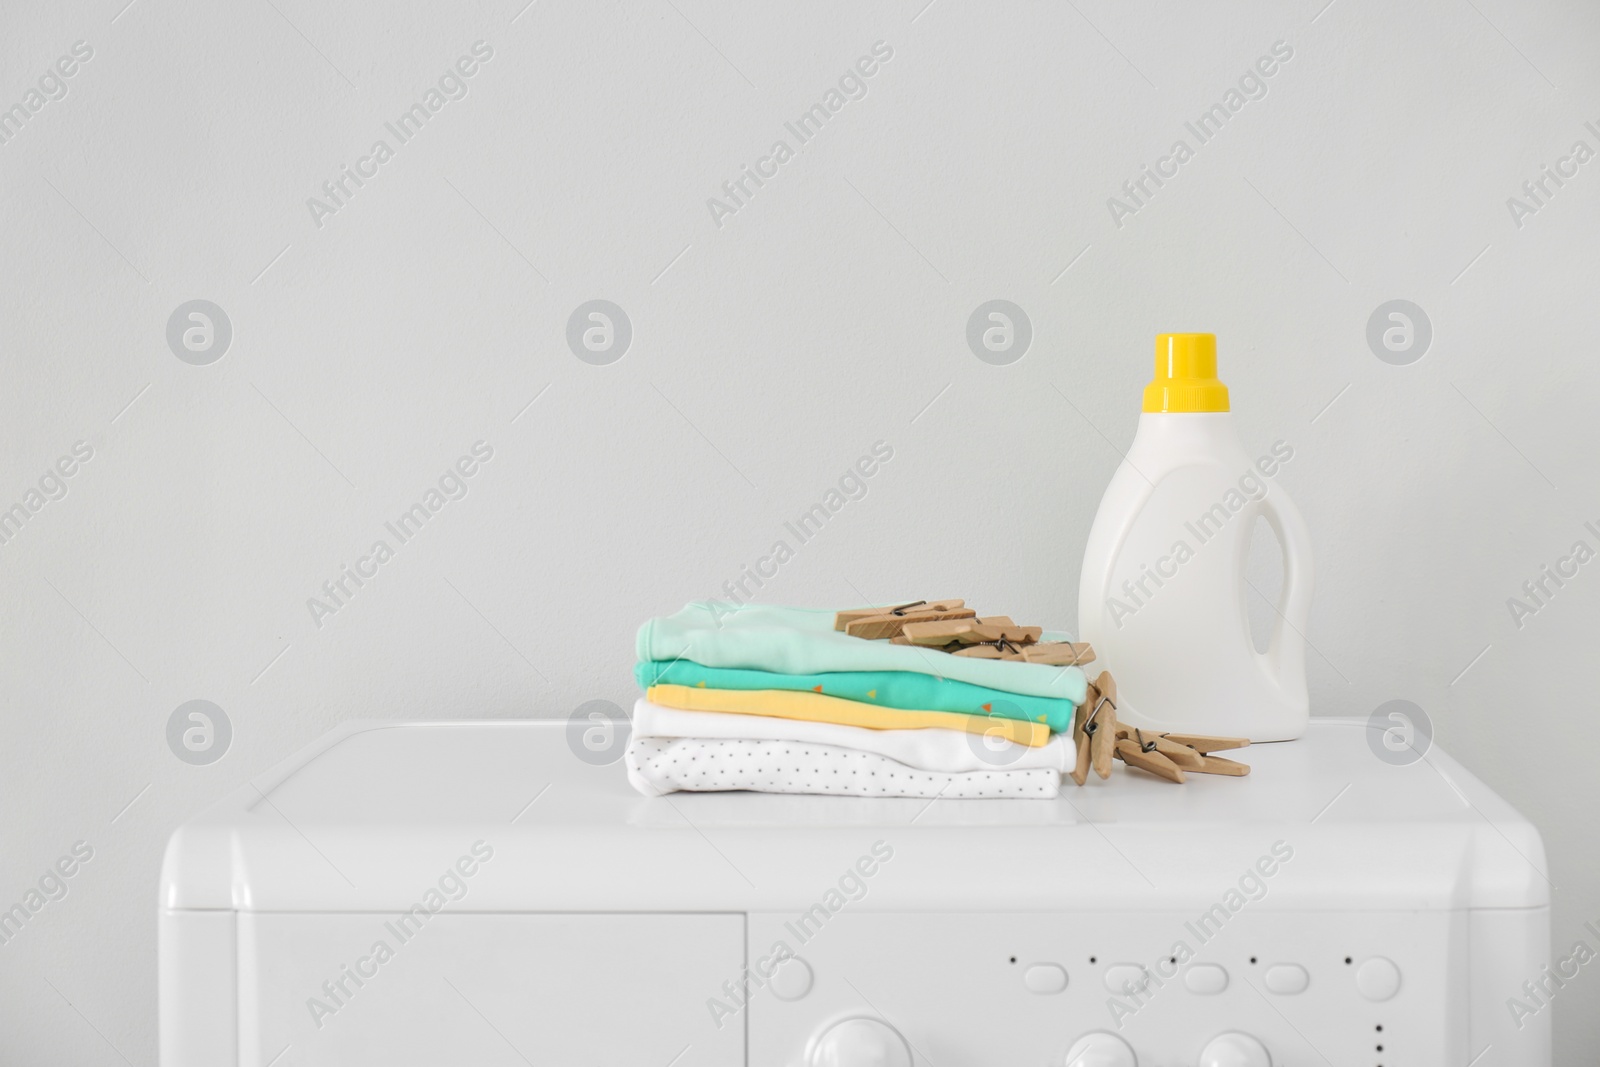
x=803, y=641
x=889, y=689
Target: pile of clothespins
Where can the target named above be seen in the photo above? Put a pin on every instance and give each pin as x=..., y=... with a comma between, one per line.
x=1099, y=738
x=950, y=626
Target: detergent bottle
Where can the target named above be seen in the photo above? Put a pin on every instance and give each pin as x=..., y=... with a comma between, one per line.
x=1163, y=592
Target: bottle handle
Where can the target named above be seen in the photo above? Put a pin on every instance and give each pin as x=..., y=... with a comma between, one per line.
x=1285, y=657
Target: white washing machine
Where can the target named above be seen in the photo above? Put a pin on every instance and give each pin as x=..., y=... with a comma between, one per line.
x=488, y=893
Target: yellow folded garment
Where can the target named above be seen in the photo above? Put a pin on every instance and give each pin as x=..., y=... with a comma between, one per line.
x=816, y=707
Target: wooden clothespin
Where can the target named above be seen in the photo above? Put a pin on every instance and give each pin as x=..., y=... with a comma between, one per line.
x=842, y=619
x=1057, y=653
x=1094, y=728
x=1218, y=765
x=1081, y=736
x=1180, y=755
x=1050, y=653
x=1203, y=746
x=998, y=650
x=1105, y=739
x=1138, y=750
x=877, y=623
x=1203, y=743
x=1154, y=762
x=970, y=631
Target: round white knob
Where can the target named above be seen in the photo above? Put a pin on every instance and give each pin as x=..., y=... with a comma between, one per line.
x=792, y=979
x=1235, y=1050
x=861, y=1043
x=1101, y=1050
x=1378, y=979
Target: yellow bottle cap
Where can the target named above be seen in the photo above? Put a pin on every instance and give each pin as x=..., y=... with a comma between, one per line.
x=1186, y=375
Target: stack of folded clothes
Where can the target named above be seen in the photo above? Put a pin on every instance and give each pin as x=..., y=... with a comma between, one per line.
x=776, y=700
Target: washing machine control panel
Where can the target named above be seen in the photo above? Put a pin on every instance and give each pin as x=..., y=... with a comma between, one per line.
x=1104, y=990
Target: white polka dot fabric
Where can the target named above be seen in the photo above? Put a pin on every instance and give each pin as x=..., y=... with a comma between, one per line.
x=658, y=765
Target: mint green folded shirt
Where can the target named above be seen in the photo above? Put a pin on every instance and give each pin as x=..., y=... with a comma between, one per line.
x=803, y=641
x=889, y=689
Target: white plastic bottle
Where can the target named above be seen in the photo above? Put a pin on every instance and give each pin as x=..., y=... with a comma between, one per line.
x=1162, y=596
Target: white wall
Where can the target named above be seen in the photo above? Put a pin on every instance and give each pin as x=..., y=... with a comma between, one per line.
x=768, y=353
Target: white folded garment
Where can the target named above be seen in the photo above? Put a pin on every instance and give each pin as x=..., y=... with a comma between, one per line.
x=947, y=751
x=658, y=765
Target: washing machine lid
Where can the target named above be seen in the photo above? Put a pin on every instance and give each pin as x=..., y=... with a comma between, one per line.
x=373, y=814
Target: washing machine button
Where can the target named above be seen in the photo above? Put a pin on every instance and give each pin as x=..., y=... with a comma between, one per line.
x=1235, y=1050
x=862, y=1042
x=1207, y=979
x=1287, y=978
x=1100, y=1050
x=1045, y=978
x=792, y=979
x=1378, y=979
x=1127, y=978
